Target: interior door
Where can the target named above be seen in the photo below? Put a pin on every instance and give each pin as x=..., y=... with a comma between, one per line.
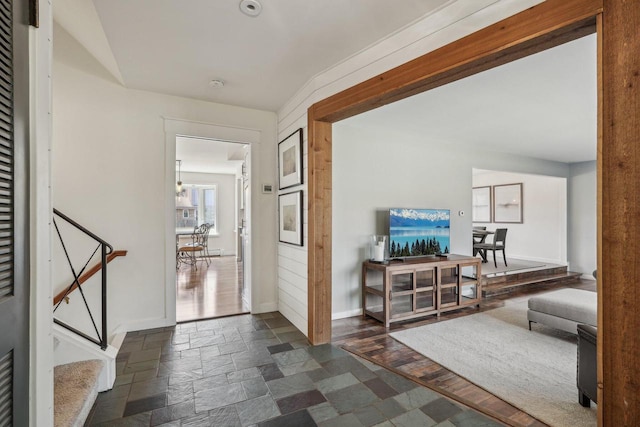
x=14, y=255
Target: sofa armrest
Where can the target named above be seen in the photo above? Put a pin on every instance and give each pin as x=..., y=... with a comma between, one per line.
x=588, y=332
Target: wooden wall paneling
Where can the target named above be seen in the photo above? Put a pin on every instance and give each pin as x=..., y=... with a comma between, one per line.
x=619, y=339
x=319, y=224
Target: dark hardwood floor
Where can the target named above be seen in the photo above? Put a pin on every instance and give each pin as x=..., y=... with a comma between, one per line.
x=369, y=339
x=209, y=292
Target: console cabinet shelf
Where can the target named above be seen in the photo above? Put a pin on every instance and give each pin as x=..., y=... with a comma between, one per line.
x=418, y=287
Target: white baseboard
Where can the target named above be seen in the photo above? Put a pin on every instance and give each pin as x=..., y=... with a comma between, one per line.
x=146, y=324
x=345, y=314
x=266, y=307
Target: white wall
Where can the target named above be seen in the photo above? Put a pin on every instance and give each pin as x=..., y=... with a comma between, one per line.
x=583, y=217
x=226, y=221
x=111, y=172
x=374, y=171
x=448, y=24
x=542, y=236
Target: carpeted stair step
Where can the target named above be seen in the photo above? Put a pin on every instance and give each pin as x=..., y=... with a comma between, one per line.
x=75, y=391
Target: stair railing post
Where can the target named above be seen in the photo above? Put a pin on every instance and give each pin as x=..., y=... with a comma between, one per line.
x=80, y=277
x=103, y=341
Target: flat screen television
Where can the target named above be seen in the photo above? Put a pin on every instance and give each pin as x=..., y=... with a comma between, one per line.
x=418, y=232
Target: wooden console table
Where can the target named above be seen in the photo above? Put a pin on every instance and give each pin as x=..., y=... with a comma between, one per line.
x=418, y=287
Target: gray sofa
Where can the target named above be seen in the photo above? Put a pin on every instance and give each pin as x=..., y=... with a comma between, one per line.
x=574, y=311
x=564, y=309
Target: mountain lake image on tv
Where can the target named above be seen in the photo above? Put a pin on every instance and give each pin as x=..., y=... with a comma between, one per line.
x=416, y=232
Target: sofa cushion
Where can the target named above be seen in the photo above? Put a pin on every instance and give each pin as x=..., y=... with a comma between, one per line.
x=572, y=304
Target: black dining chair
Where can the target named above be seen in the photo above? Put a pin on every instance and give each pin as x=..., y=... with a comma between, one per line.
x=478, y=238
x=498, y=244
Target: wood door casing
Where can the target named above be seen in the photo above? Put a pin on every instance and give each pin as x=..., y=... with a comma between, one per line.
x=541, y=27
x=548, y=24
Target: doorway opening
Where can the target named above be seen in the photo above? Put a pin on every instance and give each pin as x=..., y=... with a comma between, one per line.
x=439, y=139
x=210, y=225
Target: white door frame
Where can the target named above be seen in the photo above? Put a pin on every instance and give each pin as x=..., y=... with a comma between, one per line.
x=172, y=129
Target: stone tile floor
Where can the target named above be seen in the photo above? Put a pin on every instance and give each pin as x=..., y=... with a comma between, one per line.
x=258, y=370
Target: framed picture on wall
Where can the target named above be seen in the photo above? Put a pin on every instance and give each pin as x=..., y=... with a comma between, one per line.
x=481, y=209
x=290, y=210
x=290, y=160
x=507, y=203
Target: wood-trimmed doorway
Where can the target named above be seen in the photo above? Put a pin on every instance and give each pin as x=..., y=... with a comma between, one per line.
x=548, y=24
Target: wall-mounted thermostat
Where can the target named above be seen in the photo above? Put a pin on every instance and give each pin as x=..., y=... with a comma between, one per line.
x=461, y=213
x=267, y=188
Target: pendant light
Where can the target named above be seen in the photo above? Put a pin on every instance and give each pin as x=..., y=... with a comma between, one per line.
x=179, y=183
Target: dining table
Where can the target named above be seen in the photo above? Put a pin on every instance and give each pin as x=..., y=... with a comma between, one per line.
x=479, y=236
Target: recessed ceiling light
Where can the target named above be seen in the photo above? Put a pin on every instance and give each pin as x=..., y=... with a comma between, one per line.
x=250, y=7
x=216, y=83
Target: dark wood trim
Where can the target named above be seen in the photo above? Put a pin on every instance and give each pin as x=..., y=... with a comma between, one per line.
x=550, y=23
x=93, y=270
x=619, y=339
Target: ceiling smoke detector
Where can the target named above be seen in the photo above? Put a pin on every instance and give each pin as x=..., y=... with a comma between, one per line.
x=250, y=7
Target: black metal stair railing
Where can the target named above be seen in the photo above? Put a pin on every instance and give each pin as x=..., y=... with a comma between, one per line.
x=105, y=249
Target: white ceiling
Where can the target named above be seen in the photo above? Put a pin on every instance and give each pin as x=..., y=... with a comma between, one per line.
x=208, y=156
x=542, y=106
x=178, y=47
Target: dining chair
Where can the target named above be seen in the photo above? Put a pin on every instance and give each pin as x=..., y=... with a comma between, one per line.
x=498, y=244
x=478, y=238
x=206, y=242
x=199, y=241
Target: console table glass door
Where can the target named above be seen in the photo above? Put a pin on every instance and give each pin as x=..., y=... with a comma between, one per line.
x=402, y=290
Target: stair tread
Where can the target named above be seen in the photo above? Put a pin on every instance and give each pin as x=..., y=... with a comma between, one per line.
x=526, y=273
x=538, y=279
x=75, y=391
x=499, y=288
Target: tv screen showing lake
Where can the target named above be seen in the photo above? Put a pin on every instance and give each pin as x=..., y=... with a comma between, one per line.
x=415, y=232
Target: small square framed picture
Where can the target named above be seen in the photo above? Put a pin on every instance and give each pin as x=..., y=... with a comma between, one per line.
x=481, y=204
x=290, y=160
x=507, y=203
x=290, y=210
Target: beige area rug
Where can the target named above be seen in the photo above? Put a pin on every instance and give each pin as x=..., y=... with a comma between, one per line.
x=533, y=370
